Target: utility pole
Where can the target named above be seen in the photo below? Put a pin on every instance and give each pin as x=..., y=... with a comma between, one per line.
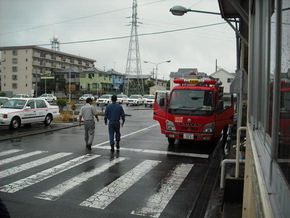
x=133, y=66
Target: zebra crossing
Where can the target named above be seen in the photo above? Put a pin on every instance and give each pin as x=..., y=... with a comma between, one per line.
x=152, y=206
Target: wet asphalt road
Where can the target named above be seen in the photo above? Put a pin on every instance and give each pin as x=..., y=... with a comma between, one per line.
x=51, y=174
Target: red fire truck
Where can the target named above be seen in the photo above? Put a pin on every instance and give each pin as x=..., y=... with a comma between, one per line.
x=196, y=109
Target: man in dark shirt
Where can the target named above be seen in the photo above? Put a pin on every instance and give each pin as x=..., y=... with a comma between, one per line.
x=114, y=112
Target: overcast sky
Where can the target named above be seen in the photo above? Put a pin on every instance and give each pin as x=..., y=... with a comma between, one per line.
x=206, y=37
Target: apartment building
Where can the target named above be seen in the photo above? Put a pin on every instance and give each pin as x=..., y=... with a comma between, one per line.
x=23, y=66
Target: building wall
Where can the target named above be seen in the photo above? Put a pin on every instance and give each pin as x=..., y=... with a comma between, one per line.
x=225, y=77
x=21, y=80
x=32, y=60
x=267, y=171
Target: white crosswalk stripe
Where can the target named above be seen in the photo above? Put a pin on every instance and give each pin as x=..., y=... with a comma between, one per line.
x=153, y=204
x=108, y=194
x=31, y=180
x=158, y=201
x=22, y=156
x=3, y=153
x=26, y=166
x=54, y=193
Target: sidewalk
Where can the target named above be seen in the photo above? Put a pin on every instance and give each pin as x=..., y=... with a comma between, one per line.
x=227, y=202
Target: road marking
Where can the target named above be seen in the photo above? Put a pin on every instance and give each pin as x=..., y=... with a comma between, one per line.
x=54, y=193
x=22, y=156
x=26, y=166
x=108, y=194
x=169, y=185
x=147, y=150
x=3, y=153
x=31, y=180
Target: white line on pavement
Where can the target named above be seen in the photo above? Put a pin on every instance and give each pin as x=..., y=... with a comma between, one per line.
x=22, y=156
x=3, y=153
x=54, y=193
x=26, y=166
x=31, y=180
x=147, y=150
x=169, y=185
x=108, y=194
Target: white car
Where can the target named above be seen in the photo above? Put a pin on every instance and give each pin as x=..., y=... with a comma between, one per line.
x=149, y=100
x=135, y=100
x=122, y=99
x=3, y=100
x=21, y=96
x=85, y=96
x=48, y=97
x=104, y=99
x=20, y=111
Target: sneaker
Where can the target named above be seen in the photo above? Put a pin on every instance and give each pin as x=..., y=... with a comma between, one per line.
x=118, y=145
x=89, y=147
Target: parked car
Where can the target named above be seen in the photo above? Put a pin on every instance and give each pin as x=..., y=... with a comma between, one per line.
x=48, y=97
x=3, y=100
x=104, y=99
x=85, y=96
x=135, y=100
x=20, y=111
x=122, y=99
x=149, y=100
x=21, y=96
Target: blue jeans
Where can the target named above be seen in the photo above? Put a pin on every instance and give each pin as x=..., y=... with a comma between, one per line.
x=114, y=130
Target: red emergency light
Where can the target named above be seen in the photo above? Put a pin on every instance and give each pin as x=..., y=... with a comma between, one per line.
x=195, y=81
x=285, y=82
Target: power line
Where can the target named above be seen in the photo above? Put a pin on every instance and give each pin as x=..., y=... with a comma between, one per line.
x=143, y=34
x=79, y=18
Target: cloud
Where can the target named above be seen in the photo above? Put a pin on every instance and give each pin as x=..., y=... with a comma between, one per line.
x=34, y=22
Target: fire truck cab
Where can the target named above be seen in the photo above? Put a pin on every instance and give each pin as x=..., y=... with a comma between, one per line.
x=196, y=109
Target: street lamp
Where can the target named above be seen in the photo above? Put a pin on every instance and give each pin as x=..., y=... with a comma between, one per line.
x=180, y=11
x=156, y=66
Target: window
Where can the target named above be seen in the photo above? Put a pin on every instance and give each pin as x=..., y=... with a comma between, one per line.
x=31, y=103
x=284, y=130
x=14, y=77
x=14, y=85
x=14, y=52
x=14, y=69
x=230, y=80
x=40, y=104
x=14, y=60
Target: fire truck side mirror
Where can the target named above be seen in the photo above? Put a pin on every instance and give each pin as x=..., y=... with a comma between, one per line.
x=220, y=105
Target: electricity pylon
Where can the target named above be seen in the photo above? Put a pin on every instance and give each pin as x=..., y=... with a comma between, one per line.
x=134, y=81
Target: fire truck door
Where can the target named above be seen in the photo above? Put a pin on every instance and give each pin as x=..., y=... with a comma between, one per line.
x=160, y=108
x=225, y=114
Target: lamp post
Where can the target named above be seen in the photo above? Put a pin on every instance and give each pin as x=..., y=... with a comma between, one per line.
x=156, y=66
x=180, y=11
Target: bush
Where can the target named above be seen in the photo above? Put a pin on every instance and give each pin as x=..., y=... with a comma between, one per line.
x=61, y=103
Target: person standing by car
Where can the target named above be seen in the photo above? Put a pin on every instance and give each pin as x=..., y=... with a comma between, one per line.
x=88, y=112
x=114, y=112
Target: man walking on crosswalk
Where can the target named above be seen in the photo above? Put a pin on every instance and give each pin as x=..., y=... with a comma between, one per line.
x=88, y=112
x=114, y=112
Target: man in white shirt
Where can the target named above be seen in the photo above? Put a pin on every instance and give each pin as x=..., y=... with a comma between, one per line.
x=88, y=112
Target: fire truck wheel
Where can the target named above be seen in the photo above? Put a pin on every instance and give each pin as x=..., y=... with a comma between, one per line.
x=171, y=141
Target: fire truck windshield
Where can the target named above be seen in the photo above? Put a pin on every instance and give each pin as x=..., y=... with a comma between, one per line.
x=191, y=102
